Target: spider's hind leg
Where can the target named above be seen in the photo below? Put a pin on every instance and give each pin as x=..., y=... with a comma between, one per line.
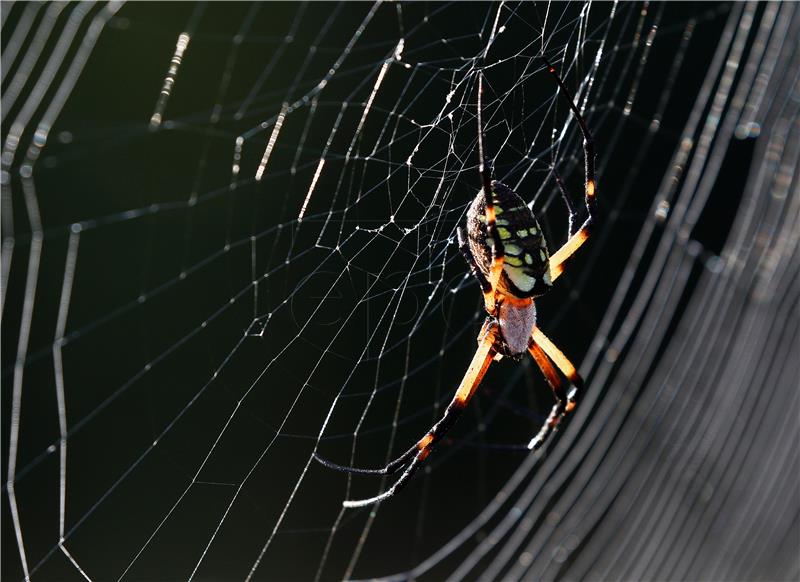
x=498, y=250
x=573, y=214
x=560, y=258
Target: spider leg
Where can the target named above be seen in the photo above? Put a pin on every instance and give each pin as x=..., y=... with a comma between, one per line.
x=498, y=251
x=568, y=202
x=563, y=364
x=398, y=485
x=422, y=449
x=389, y=469
x=557, y=386
x=561, y=256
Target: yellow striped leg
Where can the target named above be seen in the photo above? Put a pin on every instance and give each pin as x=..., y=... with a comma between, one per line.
x=563, y=364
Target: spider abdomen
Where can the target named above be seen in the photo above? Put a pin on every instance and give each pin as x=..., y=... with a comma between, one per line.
x=526, y=263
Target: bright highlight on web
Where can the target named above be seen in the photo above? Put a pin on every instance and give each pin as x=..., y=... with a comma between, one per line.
x=232, y=245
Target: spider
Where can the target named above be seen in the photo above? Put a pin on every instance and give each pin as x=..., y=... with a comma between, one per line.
x=507, y=253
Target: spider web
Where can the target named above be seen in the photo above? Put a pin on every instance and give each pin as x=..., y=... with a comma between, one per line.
x=229, y=242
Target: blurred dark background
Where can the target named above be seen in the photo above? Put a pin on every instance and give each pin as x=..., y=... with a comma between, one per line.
x=210, y=332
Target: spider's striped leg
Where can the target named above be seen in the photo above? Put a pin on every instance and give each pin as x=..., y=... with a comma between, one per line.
x=498, y=251
x=563, y=364
x=557, y=386
x=561, y=256
x=568, y=202
x=472, y=379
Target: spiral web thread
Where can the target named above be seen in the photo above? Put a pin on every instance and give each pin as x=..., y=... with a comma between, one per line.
x=254, y=259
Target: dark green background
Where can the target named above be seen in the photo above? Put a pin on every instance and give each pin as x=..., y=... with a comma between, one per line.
x=111, y=163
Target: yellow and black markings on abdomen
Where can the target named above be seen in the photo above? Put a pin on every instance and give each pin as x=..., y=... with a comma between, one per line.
x=525, y=266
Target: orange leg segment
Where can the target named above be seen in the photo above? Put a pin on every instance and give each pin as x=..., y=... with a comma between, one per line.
x=413, y=459
x=563, y=364
x=557, y=385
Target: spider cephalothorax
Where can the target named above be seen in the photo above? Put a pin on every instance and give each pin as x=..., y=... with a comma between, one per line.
x=506, y=251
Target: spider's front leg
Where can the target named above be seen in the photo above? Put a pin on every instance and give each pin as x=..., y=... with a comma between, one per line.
x=413, y=458
x=557, y=386
x=545, y=353
x=563, y=363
